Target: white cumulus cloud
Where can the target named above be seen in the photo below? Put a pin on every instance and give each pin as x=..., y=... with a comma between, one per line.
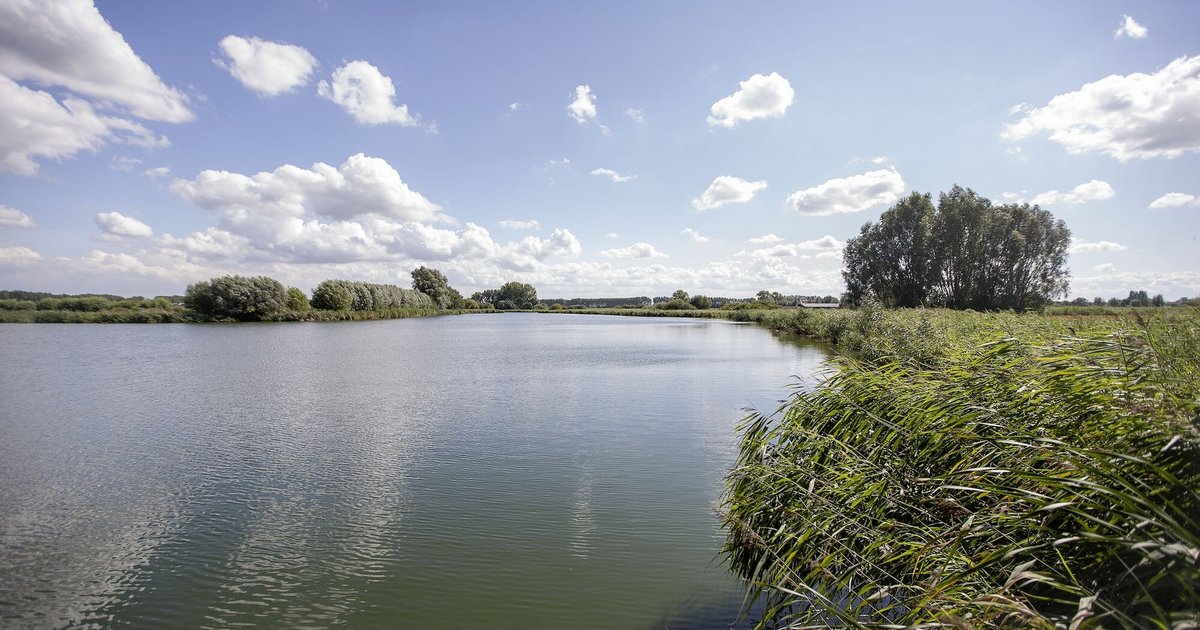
x=118, y=224
x=69, y=44
x=35, y=125
x=514, y=224
x=848, y=194
x=1175, y=200
x=11, y=217
x=613, y=175
x=694, y=235
x=583, y=107
x=1079, y=246
x=268, y=68
x=531, y=249
x=156, y=172
x=637, y=250
x=1131, y=29
x=636, y=114
x=362, y=185
x=727, y=189
x=760, y=96
x=1131, y=116
x=1095, y=190
x=356, y=219
x=367, y=95
x=17, y=257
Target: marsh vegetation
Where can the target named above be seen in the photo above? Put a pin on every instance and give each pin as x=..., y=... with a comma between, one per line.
x=969, y=469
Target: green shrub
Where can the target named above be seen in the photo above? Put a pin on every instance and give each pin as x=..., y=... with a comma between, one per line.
x=296, y=300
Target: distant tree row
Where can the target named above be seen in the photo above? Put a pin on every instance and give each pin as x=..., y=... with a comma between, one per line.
x=1136, y=298
x=963, y=253
x=82, y=303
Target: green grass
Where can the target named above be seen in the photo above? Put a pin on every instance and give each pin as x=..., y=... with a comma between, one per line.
x=977, y=470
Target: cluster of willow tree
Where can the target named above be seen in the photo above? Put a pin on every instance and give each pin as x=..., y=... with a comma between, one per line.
x=965, y=253
x=343, y=295
x=510, y=296
x=261, y=297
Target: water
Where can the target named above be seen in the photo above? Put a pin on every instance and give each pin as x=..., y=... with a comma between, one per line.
x=492, y=471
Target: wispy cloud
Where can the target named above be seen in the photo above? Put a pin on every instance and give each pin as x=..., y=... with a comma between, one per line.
x=514, y=224
x=583, y=106
x=613, y=175
x=637, y=250
x=1131, y=29
x=1079, y=246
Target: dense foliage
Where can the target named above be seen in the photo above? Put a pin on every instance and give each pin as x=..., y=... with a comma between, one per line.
x=237, y=297
x=971, y=470
x=510, y=296
x=343, y=295
x=296, y=300
x=433, y=283
x=965, y=253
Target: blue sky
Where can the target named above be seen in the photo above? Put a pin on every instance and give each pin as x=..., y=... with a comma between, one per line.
x=599, y=149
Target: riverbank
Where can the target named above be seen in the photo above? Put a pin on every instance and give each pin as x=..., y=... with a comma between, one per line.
x=875, y=333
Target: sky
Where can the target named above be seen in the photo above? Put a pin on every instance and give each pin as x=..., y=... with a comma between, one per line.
x=590, y=149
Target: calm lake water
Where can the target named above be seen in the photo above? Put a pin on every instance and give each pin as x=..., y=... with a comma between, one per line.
x=499, y=471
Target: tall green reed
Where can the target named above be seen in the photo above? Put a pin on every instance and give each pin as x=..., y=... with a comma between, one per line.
x=1012, y=471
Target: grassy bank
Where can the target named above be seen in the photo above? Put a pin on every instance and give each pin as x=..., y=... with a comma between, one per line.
x=178, y=315
x=973, y=470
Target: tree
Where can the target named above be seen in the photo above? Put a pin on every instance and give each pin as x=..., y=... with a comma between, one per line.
x=237, y=297
x=433, y=283
x=680, y=294
x=965, y=253
x=892, y=260
x=342, y=295
x=1027, y=267
x=1158, y=300
x=960, y=231
x=333, y=295
x=489, y=296
x=701, y=301
x=296, y=300
x=516, y=295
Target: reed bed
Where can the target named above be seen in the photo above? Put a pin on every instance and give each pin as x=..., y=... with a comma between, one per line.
x=972, y=470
